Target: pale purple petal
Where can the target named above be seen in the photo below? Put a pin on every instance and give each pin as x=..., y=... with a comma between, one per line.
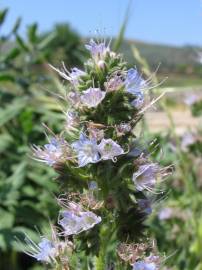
x=145, y=177
x=109, y=149
x=97, y=50
x=134, y=83
x=46, y=251
x=87, y=150
x=52, y=152
x=75, y=223
x=92, y=97
x=142, y=265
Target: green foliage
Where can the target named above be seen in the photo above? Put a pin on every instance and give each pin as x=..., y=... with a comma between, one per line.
x=27, y=189
x=197, y=108
x=66, y=46
x=183, y=225
x=179, y=234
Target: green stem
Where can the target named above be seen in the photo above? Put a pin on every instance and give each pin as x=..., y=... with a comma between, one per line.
x=105, y=236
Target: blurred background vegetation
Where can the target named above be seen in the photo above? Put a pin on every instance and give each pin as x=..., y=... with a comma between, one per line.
x=27, y=189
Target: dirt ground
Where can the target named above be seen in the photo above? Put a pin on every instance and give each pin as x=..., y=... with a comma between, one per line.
x=182, y=118
x=183, y=121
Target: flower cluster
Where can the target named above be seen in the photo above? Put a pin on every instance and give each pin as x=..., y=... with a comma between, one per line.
x=55, y=151
x=51, y=249
x=88, y=151
x=146, y=176
x=104, y=102
x=75, y=220
x=44, y=252
x=72, y=220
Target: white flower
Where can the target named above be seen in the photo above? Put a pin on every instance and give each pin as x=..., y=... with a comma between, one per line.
x=52, y=152
x=145, y=177
x=87, y=150
x=70, y=222
x=92, y=97
x=45, y=251
x=109, y=149
x=73, y=76
x=77, y=222
x=98, y=50
x=89, y=220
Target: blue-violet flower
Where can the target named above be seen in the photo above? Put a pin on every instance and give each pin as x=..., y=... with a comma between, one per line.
x=87, y=150
x=92, y=97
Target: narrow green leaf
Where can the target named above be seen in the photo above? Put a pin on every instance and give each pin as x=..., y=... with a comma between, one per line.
x=3, y=14
x=17, y=178
x=13, y=109
x=7, y=219
x=5, y=141
x=45, y=42
x=32, y=33
x=16, y=25
x=22, y=44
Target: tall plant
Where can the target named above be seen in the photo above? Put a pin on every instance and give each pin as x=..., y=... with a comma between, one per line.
x=106, y=178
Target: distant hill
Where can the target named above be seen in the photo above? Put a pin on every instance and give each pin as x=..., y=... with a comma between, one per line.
x=172, y=58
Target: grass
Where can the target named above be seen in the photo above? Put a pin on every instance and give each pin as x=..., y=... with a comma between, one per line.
x=175, y=80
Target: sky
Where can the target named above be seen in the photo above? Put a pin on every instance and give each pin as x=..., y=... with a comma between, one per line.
x=174, y=22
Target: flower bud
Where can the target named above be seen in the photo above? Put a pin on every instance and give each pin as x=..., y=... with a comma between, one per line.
x=101, y=64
